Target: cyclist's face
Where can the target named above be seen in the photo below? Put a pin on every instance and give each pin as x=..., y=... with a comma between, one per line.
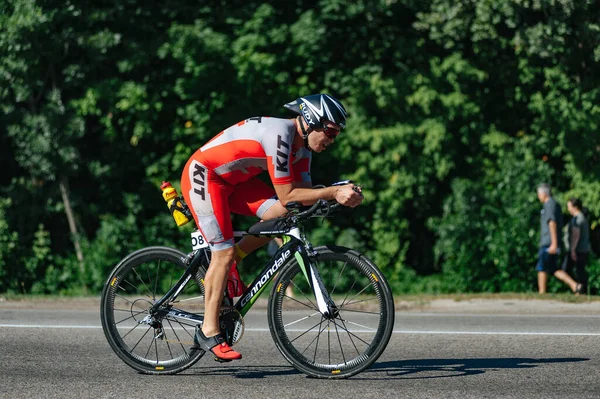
x=331, y=130
x=324, y=136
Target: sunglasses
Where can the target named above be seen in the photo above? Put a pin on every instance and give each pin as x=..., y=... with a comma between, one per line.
x=330, y=132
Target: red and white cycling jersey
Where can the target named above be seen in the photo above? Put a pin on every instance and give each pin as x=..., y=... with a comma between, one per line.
x=219, y=178
x=253, y=145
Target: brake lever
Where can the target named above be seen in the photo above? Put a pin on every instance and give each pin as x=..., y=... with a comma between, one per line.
x=358, y=190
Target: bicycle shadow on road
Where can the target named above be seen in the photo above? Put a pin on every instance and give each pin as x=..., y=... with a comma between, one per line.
x=447, y=368
x=401, y=369
x=245, y=372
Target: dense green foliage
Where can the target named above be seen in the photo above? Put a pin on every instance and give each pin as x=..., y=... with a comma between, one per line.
x=458, y=110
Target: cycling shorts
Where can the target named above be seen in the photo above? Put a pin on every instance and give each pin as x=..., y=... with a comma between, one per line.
x=212, y=200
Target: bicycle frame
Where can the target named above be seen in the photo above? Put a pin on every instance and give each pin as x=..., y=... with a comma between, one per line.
x=294, y=244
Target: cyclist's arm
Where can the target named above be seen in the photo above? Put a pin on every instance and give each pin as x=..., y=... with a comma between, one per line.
x=345, y=195
x=304, y=184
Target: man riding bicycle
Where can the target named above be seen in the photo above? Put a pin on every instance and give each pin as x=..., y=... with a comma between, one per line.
x=220, y=178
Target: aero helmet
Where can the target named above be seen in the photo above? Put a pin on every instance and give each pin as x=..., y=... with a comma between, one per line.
x=317, y=108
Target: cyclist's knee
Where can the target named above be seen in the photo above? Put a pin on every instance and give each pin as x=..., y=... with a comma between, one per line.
x=274, y=211
x=223, y=257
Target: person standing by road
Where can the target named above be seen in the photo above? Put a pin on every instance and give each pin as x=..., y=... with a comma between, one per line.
x=578, y=242
x=551, y=222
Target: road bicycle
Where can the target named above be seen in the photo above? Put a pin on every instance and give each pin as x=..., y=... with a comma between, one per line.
x=336, y=323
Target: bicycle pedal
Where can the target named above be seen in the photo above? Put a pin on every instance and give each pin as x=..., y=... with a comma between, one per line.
x=216, y=359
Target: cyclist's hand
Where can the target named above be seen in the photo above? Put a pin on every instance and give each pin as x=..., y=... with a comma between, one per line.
x=349, y=195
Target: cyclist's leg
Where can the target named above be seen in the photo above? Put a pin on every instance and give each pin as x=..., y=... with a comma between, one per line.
x=255, y=198
x=207, y=195
x=214, y=285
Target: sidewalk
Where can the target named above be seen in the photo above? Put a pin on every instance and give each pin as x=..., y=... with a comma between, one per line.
x=502, y=306
x=428, y=304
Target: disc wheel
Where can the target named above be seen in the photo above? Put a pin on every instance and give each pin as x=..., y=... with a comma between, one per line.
x=158, y=343
x=346, y=343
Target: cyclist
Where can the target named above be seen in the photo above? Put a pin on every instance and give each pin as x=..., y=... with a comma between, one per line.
x=220, y=179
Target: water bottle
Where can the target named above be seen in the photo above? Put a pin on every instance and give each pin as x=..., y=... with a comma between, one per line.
x=176, y=204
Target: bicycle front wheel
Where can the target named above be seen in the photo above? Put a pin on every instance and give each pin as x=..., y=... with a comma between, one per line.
x=152, y=342
x=340, y=346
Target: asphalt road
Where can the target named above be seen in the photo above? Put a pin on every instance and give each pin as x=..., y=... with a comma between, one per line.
x=460, y=351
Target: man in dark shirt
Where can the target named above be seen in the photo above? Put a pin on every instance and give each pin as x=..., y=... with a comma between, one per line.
x=550, y=224
x=578, y=242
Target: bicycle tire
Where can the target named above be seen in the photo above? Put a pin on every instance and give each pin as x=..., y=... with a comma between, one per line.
x=134, y=284
x=362, y=296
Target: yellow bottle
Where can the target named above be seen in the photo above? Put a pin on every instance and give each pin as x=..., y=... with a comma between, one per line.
x=176, y=204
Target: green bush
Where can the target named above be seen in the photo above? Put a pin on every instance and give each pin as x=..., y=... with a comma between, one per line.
x=488, y=235
x=9, y=241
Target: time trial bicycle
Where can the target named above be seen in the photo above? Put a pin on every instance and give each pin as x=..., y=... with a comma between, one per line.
x=336, y=324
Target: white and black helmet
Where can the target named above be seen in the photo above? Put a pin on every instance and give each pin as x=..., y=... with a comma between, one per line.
x=318, y=108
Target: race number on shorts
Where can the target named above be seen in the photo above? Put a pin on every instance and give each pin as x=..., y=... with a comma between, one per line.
x=198, y=240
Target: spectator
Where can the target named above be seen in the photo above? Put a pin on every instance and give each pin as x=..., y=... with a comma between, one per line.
x=578, y=242
x=550, y=225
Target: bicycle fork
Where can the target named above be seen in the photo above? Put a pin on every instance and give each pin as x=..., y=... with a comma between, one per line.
x=324, y=302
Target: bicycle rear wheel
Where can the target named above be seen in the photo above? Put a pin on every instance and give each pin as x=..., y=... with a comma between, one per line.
x=346, y=344
x=159, y=343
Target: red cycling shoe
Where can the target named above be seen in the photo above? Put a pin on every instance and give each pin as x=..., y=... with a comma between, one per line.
x=216, y=345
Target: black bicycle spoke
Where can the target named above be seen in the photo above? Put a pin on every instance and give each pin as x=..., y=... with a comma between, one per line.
x=176, y=337
x=350, y=337
x=338, y=279
x=351, y=333
x=130, y=331
x=153, y=341
x=150, y=282
x=337, y=333
x=317, y=344
x=131, y=317
x=135, y=287
x=166, y=339
x=329, y=346
x=315, y=338
x=357, y=294
x=304, y=295
x=348, y=293
x=357, y=324
x=301, y=303
x=129, y=310
x=129, y=301
x=140, y=340
x=374, y=298
x=357, y=311
x=306, y=332
x=156, y=281
x=143, y=282
x=182, y=325
x=303, y=318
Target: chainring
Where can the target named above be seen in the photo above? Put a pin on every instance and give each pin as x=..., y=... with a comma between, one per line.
x=231, y=324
